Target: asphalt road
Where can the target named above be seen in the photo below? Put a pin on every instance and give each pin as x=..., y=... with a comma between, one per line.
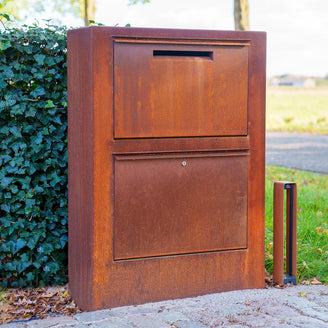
x=298, y=151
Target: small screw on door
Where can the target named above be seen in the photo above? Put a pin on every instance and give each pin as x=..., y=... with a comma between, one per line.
x=183, y=163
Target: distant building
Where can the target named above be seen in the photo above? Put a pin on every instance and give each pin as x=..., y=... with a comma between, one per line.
x=293, y=81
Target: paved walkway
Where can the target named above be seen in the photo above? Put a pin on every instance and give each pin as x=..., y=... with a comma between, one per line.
x=299, y=151
x=297, y=306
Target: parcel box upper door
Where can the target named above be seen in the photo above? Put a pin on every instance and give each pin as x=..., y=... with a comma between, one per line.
x=179, y=90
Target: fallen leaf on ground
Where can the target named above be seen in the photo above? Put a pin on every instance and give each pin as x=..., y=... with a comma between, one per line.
x=26, y=304
x=305, y=282
x=315, y=281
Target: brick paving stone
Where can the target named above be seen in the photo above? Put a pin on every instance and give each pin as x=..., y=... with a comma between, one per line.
x=307, y=307
x=89, y=317
x=171, y=316
x=189, y=324
x=208, y=317
x=146, y=321
x=110, y=323
x=14, y=325
x=143, y=308
x=51, y=322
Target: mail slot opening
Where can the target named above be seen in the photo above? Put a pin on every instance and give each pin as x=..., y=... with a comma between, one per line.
x=183, y=53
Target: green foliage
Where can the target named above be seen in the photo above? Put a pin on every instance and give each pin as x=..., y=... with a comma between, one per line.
x=312, y=221
x=33, y=156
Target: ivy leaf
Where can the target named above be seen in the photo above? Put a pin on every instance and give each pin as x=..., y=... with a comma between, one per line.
x=55, y=179
x=10, y=101
x=21, y=266
x=63, y=241
x=7, y=72
x=49, y=104
x=20, y=243
x=39, y=58
x=15, y=130
x=6, y=16
x=6, y=181
x=39, y=91
x=5, y=207
x=5, y=45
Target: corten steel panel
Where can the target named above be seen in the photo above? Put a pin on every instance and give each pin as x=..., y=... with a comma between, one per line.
x=167, y=205
x=96, y=279
x=80, y=165
x=165, y=90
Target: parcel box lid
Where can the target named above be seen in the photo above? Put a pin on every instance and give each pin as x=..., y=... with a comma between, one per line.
x=180, y=89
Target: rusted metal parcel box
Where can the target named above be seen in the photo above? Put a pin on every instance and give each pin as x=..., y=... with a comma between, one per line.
x=166, y=163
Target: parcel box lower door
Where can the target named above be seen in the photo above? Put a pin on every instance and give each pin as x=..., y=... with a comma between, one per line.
x=179, y=204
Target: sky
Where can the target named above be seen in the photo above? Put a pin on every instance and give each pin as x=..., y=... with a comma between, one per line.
x=297, y=30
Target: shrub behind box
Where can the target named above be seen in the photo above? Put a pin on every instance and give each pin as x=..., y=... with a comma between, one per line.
x=33, y=156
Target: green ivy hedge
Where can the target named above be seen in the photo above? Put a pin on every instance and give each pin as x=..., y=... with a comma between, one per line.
x=33, y=156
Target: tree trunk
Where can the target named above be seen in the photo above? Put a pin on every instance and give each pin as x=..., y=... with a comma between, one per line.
x=89, y=11
x=241, y=11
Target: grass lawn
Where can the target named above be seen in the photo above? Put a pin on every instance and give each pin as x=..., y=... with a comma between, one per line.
x=312, y=216
x=297, y=109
